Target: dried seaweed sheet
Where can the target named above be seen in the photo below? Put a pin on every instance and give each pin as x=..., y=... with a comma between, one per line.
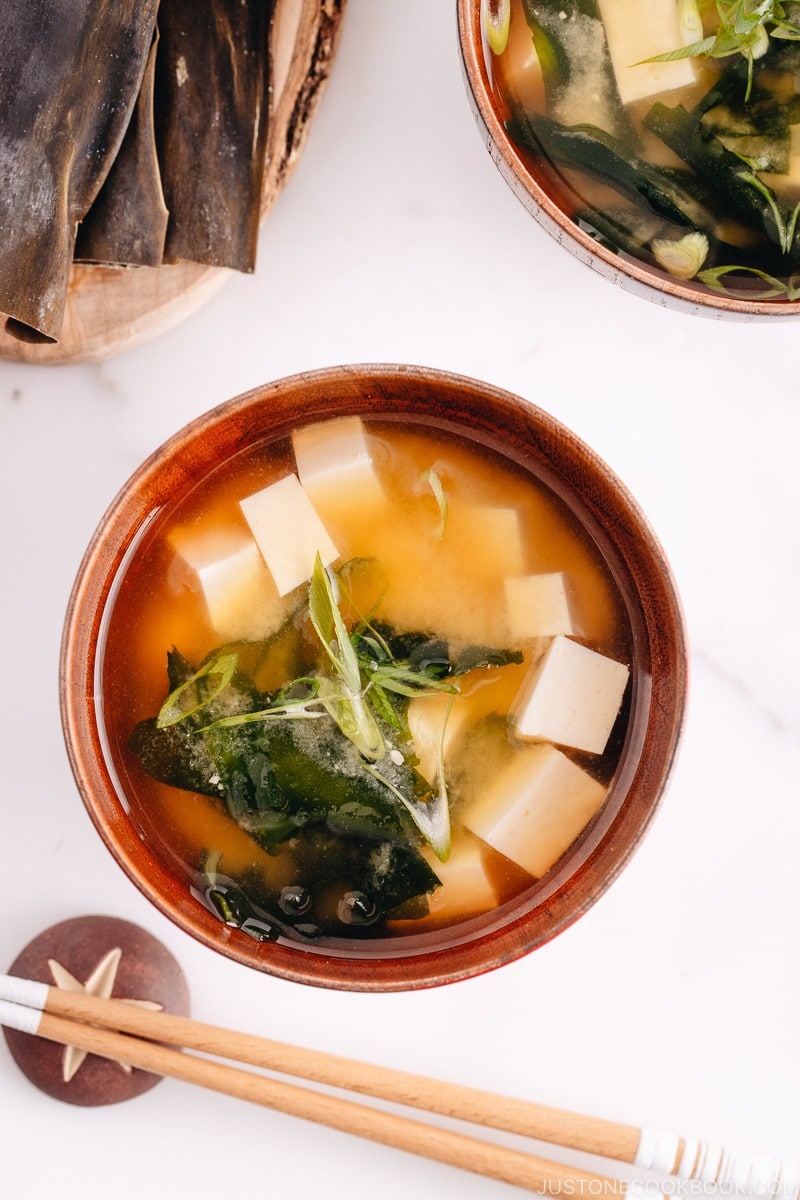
x=127, y=223
x=212, y=118
x=70, y=71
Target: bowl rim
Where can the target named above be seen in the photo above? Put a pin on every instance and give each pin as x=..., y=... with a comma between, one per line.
x=374, y=390
x=658, y=289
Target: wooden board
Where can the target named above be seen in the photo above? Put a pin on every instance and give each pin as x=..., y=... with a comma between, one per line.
x=110, y=309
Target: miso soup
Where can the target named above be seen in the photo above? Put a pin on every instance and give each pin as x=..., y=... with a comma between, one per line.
x=668, y=130
x=368, y=681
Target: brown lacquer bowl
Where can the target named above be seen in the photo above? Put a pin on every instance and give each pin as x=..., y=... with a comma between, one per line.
x=552, y=200
x=531, y=440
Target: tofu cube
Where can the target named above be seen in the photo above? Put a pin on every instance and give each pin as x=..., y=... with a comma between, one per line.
x=537, y=606
x=335, y=465
x=288, y=532
x=466, y=888
x=534, y=809
x=571, y=696
x=240, y=594
x=640, y=29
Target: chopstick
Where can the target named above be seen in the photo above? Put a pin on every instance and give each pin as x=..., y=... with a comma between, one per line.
x=642, y=1148
x=468, y=1104
x=454, y=1149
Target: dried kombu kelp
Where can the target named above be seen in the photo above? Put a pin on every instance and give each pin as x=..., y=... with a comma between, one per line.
x=127, y=223
x=70, y=72
x=212, y=109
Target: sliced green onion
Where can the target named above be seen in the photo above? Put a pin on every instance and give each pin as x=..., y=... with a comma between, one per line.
x=431, y=817
x=496, y=21
x=681, y=257
x=347, y=707
x=690, y=23
x=177, y=707
x=434, y=482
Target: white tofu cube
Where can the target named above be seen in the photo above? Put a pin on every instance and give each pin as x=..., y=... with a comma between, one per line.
x=288, y=532
x=533, y=810
x=335, y=465
x=466, y=888
x=640, y=29
x=571, y=696
x=240, y=594
x=537, y=606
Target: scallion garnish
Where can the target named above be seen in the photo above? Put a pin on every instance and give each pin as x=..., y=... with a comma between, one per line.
x=197, y=692
x=745, y=27
x=432, y=478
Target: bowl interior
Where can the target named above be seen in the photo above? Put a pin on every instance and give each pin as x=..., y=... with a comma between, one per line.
x=548, y=196
x=526, y=436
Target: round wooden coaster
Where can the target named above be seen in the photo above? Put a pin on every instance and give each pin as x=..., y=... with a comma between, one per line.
x=103, y=955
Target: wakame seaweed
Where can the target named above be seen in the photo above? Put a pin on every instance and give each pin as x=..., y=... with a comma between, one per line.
x=276, y=776
x=291, y=765
x=385, y=879
x=284, y=780
x=733, y=178
x=591, y=149
x=556, y=27
x=692, y=200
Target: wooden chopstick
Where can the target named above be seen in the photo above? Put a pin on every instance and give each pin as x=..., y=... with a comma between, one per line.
x=505, y=1113
x=645, y=1148
x=454, y=1149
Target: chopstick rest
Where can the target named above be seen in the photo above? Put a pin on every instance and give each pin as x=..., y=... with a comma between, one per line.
x=98, y=956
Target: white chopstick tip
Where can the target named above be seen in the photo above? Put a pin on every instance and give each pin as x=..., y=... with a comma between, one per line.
x=657, y=1151
x=29, y=992
x=20, y=1017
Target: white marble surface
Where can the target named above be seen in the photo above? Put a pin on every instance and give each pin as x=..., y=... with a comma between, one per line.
x=673, y=1003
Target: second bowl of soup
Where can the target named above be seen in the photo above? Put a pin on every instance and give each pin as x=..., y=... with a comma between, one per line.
x=373, y=677
x=656, y=140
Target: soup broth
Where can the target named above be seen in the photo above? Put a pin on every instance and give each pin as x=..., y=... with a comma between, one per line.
x=669, y=130
x=369, y=681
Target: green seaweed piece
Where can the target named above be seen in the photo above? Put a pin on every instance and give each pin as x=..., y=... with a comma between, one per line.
x=367, y=881
x=276, y=778
x=636, y=232
x=288, y=762
x=590, y=149
x=568, y=34
x=625, y=230
x=747, y=197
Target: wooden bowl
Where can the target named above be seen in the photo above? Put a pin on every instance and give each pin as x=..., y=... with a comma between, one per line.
x=550, y=205
x=526, y=436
